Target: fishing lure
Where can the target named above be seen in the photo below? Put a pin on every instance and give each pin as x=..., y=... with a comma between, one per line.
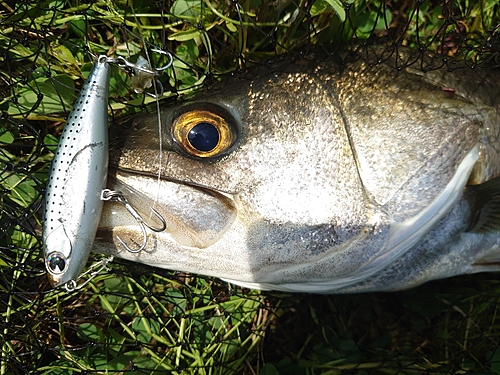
x=78, y=175
x=76, y=188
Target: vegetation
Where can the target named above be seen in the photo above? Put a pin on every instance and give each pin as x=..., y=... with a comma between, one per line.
x=137, y=319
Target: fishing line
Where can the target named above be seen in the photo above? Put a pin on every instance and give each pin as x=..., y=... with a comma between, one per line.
x=160, y=146
x=157, y=107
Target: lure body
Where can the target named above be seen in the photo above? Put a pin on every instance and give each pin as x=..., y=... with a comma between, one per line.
x=77, y=177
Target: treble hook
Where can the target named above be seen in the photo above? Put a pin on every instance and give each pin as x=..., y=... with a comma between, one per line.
x=117, y=196
x=170, y=59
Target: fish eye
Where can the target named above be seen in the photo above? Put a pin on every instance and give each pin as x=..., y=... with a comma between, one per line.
x=203, y=133
x=56, y=263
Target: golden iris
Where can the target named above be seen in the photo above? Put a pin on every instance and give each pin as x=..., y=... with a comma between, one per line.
x=203, y=133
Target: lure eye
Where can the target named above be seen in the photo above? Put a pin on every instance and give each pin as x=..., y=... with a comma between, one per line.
x=203, y=133
x=56, y=263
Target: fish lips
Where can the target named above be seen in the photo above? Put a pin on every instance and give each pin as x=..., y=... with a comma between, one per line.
x=195, y=216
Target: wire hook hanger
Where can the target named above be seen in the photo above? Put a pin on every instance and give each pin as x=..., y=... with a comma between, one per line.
x=117, y=196
x=93, y=271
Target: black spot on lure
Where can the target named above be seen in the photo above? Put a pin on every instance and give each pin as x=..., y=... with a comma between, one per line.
x=77, y=177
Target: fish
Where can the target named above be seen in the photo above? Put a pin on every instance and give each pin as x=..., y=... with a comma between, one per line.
x=317, y=177
x=77, y=176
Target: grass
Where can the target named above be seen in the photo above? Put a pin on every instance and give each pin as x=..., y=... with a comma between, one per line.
x=161, y=329
x=137, y=319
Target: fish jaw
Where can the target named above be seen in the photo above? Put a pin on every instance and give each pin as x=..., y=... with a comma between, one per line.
x=196, y=217
x=199, y=222
x=216, y=234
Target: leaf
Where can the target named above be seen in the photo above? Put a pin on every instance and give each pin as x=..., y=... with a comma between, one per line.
x=231, y=27
x=187, y=52
x=338, y=7
x=255, y=4
x=185, y=8
x=121, y=364
x=22, y=51
x=185, y=35
x=6, y=156
x=114, y=337
x=22, y=190
x=58, y=95
x=133, y=50
x=318, y=7
x=78, y=27
x=122, y=361
x=23, y=239
x=145, y=328
x=348, y=345
x=4, y=106
x=64, y=55
x=495, y=360
x=115, y=284
x=6, y=137
x=118, y=84
x=269, y=369
x=51, y=142
x=366, y=23
x=90, y=331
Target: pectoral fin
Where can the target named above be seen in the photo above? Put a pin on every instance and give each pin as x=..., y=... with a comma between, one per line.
x=487, y=224
x=487, y=207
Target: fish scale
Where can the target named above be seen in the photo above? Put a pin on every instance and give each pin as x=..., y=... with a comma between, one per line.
x=78, y=175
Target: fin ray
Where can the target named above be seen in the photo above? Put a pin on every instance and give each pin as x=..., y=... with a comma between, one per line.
x=487, y=207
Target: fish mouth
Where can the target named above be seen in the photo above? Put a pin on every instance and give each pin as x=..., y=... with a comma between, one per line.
x=196, y=216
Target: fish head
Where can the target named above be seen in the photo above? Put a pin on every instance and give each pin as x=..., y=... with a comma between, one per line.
x=253, y=185
x=300, y=179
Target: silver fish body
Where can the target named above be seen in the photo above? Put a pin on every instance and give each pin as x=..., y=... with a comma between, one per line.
x=318, y=180
x=78, y=174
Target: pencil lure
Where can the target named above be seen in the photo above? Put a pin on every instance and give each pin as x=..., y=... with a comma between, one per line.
x=77, y=177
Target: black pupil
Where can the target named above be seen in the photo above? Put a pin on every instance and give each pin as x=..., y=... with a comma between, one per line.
x=57, y=263
x=204, y=136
